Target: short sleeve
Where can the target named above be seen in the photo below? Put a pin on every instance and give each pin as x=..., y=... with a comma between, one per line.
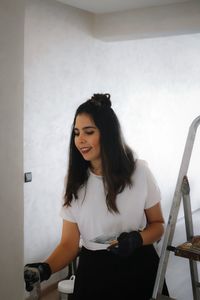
x=153, y=192
x=66, y=212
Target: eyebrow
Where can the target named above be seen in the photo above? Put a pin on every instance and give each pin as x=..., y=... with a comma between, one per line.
x=86, y=127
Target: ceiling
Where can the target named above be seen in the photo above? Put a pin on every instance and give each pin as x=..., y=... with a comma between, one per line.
x=109, y=6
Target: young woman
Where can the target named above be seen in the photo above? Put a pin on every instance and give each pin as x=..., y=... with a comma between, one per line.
x=111, y=203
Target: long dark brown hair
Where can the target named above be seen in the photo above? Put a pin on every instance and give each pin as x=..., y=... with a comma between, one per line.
x=117, y=158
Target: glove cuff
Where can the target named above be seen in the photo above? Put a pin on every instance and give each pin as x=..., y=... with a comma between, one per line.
x=136, y=236
x=45, y=271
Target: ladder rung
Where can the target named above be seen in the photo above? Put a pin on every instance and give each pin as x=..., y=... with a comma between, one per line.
x=188, y=250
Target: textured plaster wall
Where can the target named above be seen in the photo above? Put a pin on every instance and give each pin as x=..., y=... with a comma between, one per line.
x=59, y=73
x=154, y=85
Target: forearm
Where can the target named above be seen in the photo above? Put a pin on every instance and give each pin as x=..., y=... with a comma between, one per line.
x=61, y=257
x=152, y=233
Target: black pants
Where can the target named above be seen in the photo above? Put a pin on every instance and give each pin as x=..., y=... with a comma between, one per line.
x=102, y=275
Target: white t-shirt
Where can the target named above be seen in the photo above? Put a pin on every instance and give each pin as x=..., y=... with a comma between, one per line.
x=91, y=214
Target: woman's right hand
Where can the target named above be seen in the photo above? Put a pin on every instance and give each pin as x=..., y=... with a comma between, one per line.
x=35, y=272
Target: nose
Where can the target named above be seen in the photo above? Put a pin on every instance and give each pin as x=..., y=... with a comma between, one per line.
x=81, y=138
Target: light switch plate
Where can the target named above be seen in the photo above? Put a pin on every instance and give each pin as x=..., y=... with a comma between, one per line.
x=28, y=177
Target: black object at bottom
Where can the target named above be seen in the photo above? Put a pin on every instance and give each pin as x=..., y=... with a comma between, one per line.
x=102, y=275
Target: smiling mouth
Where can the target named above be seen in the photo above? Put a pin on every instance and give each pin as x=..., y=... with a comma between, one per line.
x=85, y=150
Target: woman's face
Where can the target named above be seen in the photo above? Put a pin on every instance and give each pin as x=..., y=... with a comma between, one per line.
x=87, y=138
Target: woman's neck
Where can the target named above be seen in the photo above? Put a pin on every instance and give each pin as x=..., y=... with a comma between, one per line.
x=96, y=169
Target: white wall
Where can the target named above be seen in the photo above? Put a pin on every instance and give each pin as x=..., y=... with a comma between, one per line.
x=11, y=149
x=59, y=71
x=154, y=85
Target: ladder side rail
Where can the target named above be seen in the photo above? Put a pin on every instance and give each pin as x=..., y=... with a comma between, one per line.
x=169, y=232
x=194, y=279
x=190, y=233
x=164, y=256
x=187, y=209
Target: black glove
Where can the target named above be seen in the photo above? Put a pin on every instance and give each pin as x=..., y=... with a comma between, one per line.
x=36, y=272
x=127, y=243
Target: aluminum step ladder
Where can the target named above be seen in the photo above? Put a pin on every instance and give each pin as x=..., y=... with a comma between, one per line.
x=182, y=191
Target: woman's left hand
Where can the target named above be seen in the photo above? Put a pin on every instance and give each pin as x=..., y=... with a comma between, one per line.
x=127, y=243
